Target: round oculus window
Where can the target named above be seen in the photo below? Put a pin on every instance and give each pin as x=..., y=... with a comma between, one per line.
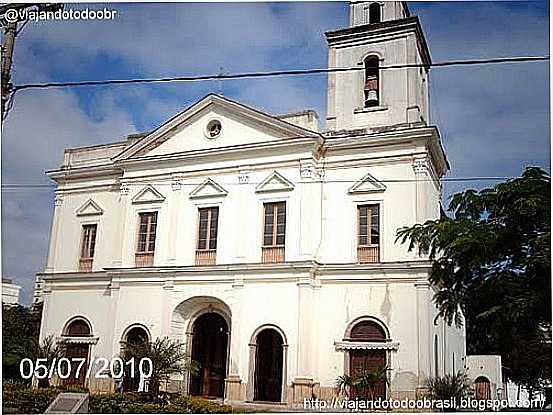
x=213, y=129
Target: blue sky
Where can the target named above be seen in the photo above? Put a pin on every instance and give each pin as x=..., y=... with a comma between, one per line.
x=494, y=120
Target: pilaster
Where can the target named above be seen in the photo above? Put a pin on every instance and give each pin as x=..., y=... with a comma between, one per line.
x=234, y=388
x=121, y=231
x=422, y=177
x=310, y=208
x=302, y=385
x=424, y=344
x=166, y=307
x=174, y=209
x=52, y=250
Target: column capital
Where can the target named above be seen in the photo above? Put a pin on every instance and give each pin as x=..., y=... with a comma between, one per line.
x=243, y=176
x=58, y=199
x=422, y=285
x=420, y=165
x=308, y=169
x=124, y=189
x=176, y=182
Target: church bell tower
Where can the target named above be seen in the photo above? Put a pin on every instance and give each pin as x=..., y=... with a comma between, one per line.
x=381, y=34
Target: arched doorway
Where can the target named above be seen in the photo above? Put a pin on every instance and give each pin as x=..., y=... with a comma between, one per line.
x=482, y=389
x=77, y=350
x=269, y=358
x=135, y=337
x=368, y=359
x=209, y=351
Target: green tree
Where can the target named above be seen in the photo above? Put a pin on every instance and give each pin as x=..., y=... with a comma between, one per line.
x=20, y=333
x=168, y=357
x=491, y=263
x=49, y=350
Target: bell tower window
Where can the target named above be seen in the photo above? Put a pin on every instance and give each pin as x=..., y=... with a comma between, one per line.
x=371, y=87
x=374, y=13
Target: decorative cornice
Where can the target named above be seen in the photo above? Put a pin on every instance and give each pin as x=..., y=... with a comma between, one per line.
x=78, y=339
x=354, y=345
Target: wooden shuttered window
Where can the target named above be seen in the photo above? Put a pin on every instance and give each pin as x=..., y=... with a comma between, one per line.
x=147, y=226
x=274, y=232
x=206, y=248
x=88, y=245
x=368, y=233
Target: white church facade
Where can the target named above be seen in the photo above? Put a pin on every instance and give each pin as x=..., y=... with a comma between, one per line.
x=265, y=243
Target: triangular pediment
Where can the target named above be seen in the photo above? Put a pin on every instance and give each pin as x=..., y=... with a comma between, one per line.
x=90, y=208
x=208, y=189
x=189, y=130
x=367, y=184
x=275, y=182
x=148, y=194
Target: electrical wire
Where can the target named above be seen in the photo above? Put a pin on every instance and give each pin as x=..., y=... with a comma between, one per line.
x=292, y=72
x=15, y=186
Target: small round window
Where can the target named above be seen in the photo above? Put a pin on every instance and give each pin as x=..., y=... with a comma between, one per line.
x=213, y=129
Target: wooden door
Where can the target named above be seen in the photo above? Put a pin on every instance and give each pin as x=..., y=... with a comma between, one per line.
x=482, y=390
x=268, y=366
x=74, y=351
x=367, y=360
x=209, y=350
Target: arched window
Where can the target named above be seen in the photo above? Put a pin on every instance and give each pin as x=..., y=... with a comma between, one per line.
x=136, y=335
x=78, y=328
x=368, y=359
x=372, y=81
x=367, y=330
x=136, y=338
x=374, y=13
x=77, y=350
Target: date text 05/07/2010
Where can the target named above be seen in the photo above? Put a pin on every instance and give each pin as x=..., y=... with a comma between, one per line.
x=72, y=367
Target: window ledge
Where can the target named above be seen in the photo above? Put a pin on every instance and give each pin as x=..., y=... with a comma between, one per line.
x=370, y=109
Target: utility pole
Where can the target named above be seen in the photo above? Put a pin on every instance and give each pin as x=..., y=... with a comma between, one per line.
x=10, y=33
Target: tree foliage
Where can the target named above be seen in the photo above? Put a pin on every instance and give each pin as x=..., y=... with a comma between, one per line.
x=20, y=334
x=168, y=357
x=491, y=262
x=449, y=386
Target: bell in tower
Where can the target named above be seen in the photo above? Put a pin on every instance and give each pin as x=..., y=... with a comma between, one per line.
x=382, y=34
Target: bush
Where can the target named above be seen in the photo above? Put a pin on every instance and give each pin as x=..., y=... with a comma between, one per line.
x=203, y=406
x=20, y=398
x=445, y=387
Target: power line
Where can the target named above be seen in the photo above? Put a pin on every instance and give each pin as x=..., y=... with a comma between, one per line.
x=292, y=72
x=15, y=186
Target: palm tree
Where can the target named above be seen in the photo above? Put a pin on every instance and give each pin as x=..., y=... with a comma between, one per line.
x=444, y=388
x=344, y=384
x=368, y=380
x=168, y=357
x=49, y=350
